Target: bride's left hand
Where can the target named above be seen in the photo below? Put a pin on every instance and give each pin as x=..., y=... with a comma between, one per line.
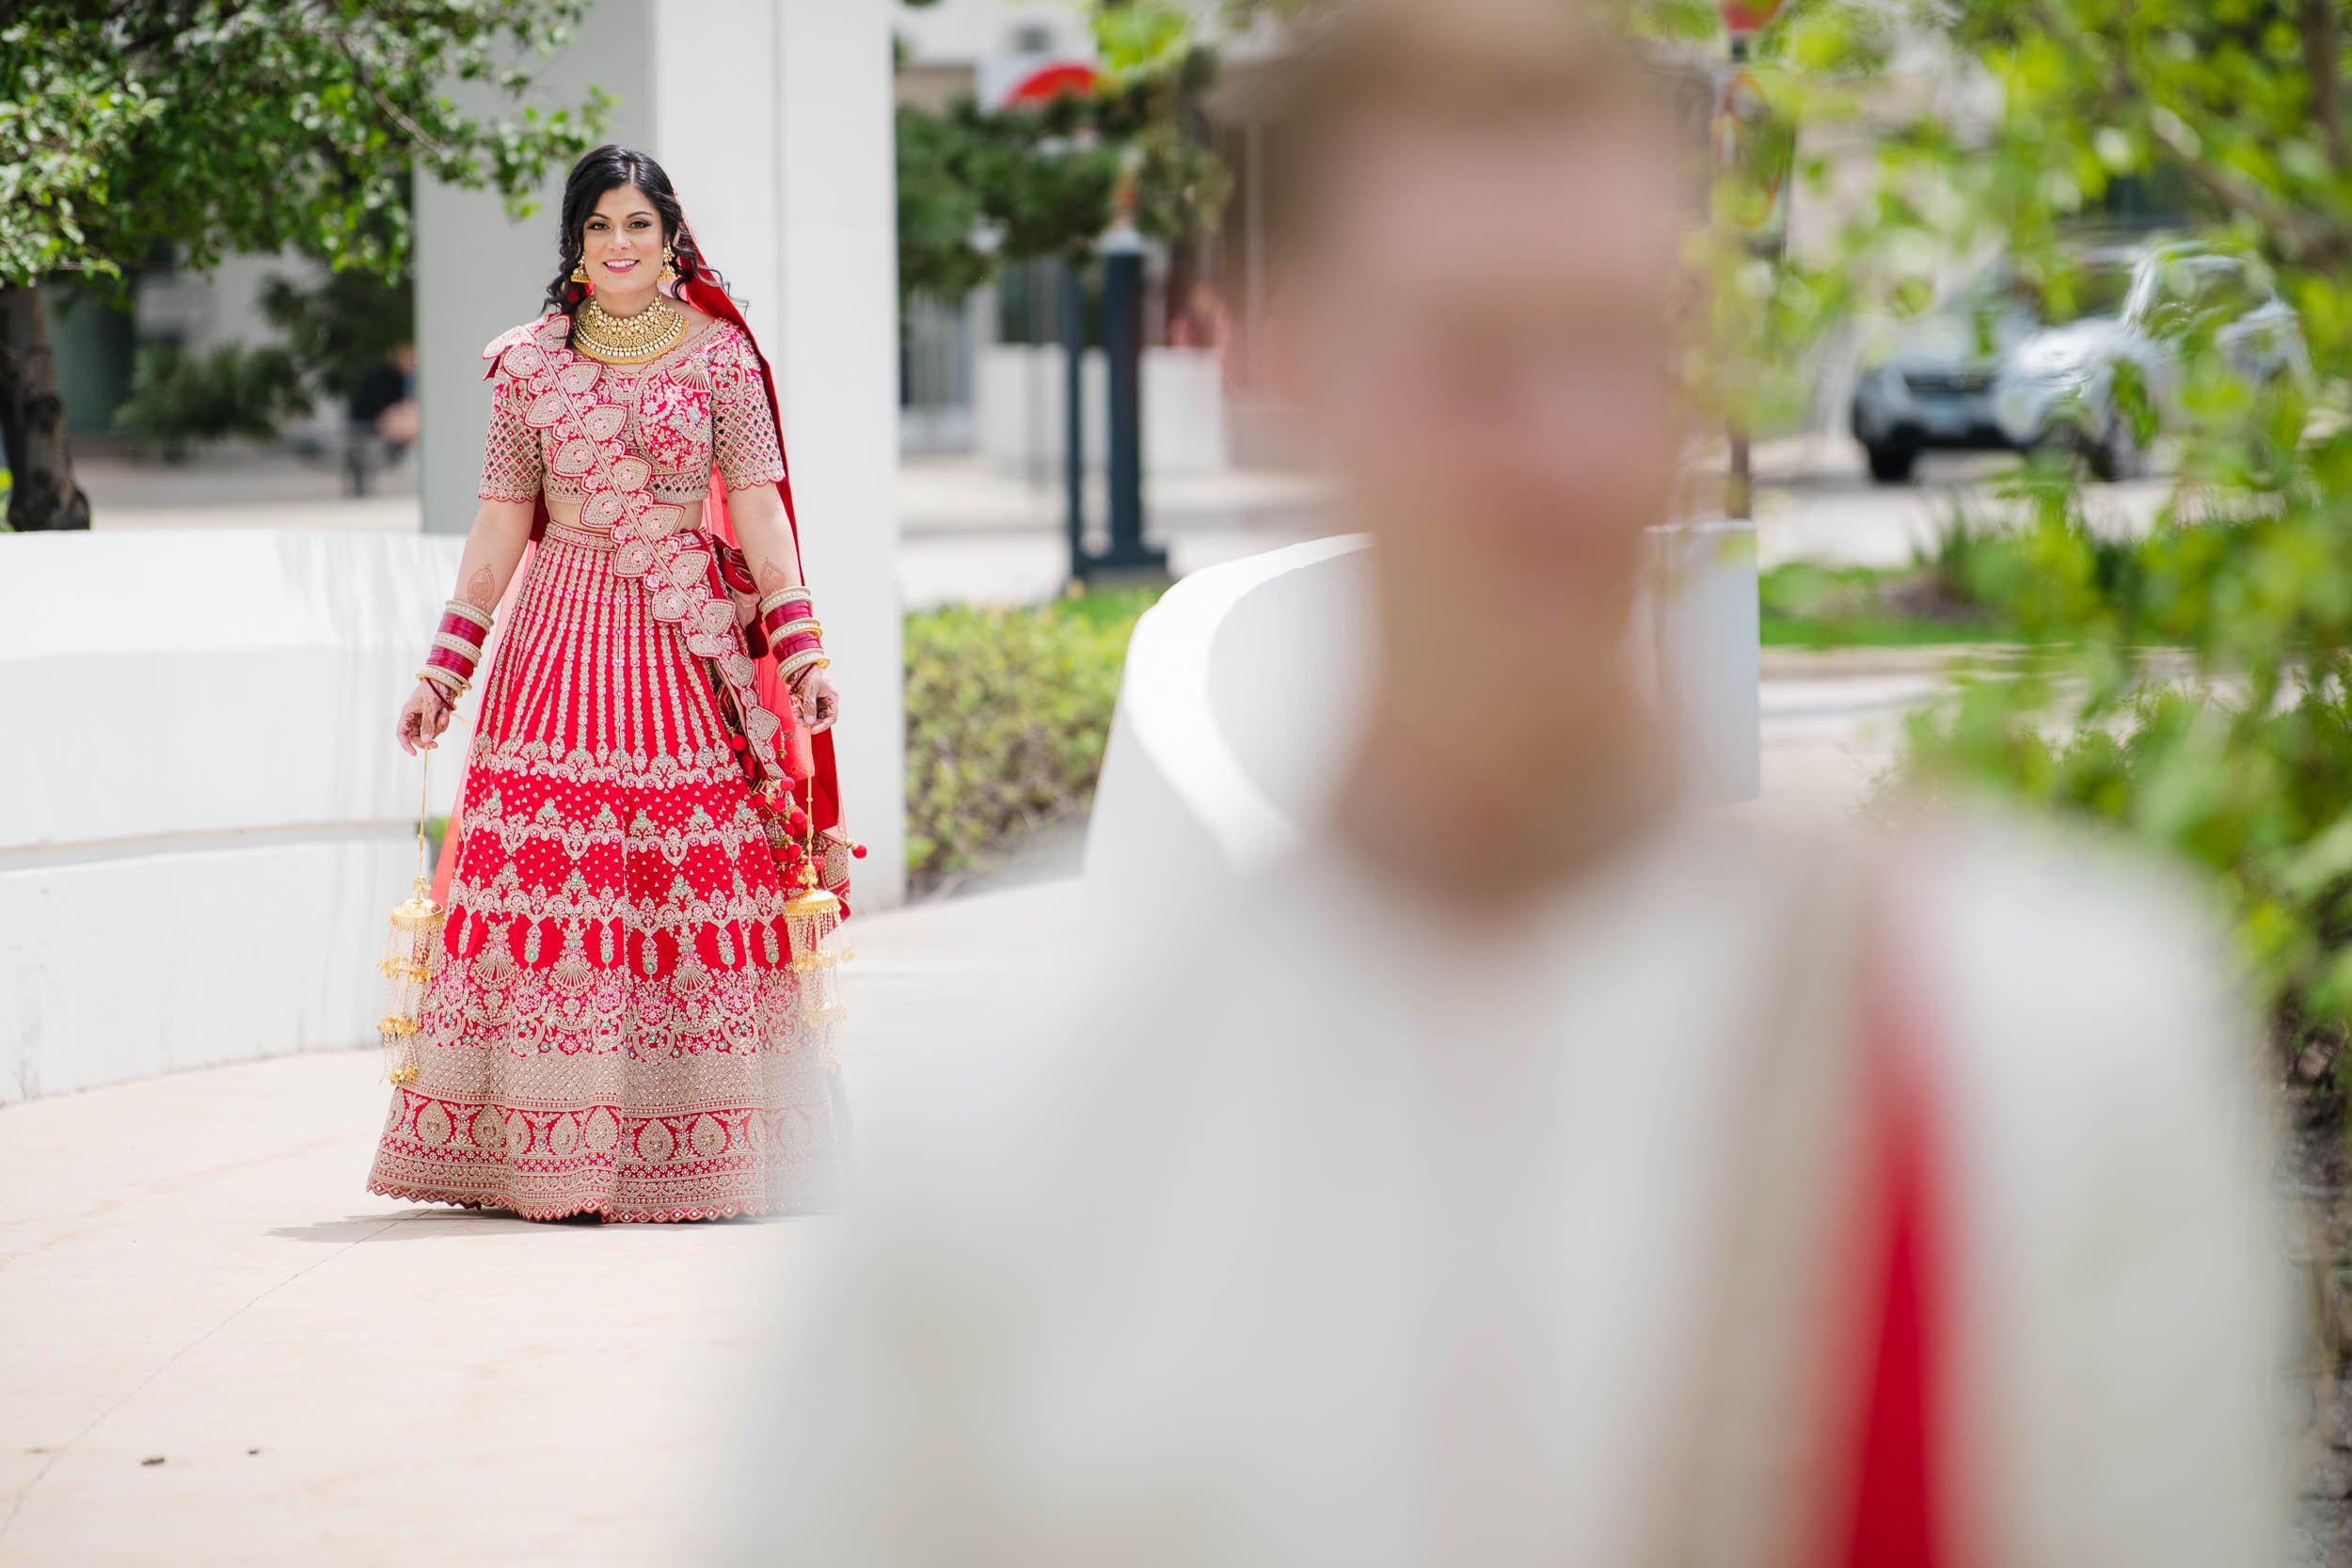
x=818, y=701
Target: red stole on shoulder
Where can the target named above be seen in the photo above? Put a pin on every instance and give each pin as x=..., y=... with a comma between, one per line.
x=812, y=754
x=1899, y=1516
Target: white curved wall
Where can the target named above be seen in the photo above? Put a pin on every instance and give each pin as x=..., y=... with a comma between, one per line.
x=203, y=819
x=1705, y=633
x=1245, y=686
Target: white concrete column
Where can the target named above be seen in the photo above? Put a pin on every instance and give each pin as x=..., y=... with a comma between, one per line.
x=773, y=119
x=837, y=364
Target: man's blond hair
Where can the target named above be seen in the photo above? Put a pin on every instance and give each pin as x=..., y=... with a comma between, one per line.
x=1467, y=64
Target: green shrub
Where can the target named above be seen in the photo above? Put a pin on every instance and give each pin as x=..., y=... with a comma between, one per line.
x=1008, y=711
x=2189, y=691
x=178, y=399
x=1979, y=582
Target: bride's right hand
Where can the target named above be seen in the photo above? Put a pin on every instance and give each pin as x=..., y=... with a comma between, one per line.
x=422, y=718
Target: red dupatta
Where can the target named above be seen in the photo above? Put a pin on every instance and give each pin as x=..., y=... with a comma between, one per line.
x=818, y=785
x=1899, y=1517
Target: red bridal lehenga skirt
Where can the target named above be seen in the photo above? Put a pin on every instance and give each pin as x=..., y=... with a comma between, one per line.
x=612, y=1025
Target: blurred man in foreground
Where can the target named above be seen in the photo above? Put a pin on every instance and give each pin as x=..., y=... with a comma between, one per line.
x=1533, y=1171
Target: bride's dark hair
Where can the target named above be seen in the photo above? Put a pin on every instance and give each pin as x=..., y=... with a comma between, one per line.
x=608, y=168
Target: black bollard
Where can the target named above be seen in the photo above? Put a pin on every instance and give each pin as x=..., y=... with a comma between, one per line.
x=1122, y=348
x=1074, y=453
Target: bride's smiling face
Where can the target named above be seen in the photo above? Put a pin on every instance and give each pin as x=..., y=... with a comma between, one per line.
x=621, y=245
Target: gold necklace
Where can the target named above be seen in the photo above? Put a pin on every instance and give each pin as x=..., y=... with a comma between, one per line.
x=628, y=340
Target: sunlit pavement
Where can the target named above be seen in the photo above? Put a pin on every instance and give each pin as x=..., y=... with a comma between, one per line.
x=1833, y=723
x=1814, y=502
x=216, y=1349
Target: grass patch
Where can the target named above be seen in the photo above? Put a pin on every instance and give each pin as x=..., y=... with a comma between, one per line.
x=1117, y=608
x=1809, y=606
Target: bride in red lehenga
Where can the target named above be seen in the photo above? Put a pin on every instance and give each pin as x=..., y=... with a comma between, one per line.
x=612, y=1023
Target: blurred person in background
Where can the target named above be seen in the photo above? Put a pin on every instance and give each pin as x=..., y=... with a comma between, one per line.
x=381, y=417
x=1537, y=1170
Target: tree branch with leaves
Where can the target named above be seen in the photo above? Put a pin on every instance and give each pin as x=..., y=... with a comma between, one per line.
x=979, y=187
x=2186, y=690
x=200, y=127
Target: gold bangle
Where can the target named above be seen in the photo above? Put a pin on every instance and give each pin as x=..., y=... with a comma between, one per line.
x=481, y=618
x=458, y=645
x=775, y=597
x=793, y=629
x=806, y=659
x=449, y=683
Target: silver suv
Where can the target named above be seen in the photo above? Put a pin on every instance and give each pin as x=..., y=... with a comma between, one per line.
x=2009, y=365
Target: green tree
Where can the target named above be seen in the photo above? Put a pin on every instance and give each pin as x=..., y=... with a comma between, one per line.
x=194, y=128
x=940, y=207
x=341, y=328
x=980, y=187
x=335, y=332
x=2188, y=690
x=178, y=399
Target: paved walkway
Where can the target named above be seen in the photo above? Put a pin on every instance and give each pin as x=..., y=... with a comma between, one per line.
x=1833, y=722
x=216, y=1349
x=1814, y=502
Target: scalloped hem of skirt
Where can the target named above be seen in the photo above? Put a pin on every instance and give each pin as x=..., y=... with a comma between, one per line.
x=610, y=1217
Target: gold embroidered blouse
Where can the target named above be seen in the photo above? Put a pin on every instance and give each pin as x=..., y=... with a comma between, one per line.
x=699, y=405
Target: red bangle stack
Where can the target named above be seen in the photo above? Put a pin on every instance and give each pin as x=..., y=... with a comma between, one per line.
x=456, y=651
x=793, y=633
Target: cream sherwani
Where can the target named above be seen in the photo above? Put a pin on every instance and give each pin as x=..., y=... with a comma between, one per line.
x=1336, y=1234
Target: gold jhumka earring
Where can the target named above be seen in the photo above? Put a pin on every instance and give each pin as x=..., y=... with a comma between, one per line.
x=669, y=264
x=580, y=272
x=410, y=952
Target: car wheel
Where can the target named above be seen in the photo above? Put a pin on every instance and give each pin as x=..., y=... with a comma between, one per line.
x=1892, y=463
